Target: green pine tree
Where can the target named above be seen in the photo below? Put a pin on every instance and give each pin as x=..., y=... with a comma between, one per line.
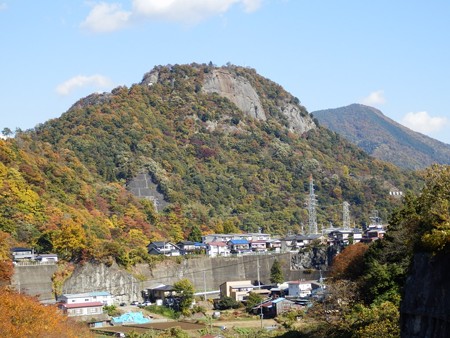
x=276, y=274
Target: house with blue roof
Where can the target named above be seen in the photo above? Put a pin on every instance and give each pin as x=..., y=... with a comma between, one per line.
x=239, y=246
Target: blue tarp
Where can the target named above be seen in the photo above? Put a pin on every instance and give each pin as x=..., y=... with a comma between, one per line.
x=130, y=317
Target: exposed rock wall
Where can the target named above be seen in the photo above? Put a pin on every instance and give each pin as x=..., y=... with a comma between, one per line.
x=298, y=122
x=425, y=309
x=99, y=277
x=313, y=258
x=237, y=89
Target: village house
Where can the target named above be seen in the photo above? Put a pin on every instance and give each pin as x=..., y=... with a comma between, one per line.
x=47, y=258
x=239, y=246
x=189, y=247
x=294, y=242
x=228, y=237
x=238, y=290
x=103, y=297
x=258, y=246
x=84, y=304
x=273, y=245
x=22, y=253
x=219, y=238
x=274, y=307
x=215, y=249
x=299, y=288
x=82, y=309
x=345, y=236
x=163, y=248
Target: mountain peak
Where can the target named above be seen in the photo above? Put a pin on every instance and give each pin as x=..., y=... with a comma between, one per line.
x=383, y=138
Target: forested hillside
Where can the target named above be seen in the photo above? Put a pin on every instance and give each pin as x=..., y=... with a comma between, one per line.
x=383, y=138
x=220, y=168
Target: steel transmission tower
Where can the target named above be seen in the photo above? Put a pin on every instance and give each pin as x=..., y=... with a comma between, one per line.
x=312, y=209
x=346, y=216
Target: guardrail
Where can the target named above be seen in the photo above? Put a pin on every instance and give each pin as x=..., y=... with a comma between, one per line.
x=31, y=263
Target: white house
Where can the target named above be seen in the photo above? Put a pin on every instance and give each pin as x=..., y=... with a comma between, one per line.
x=105, y=298
x=346, y=236
x=22, y=253
x=299, y=288
x=47, y=258
x=215, y=249
x=84, y=304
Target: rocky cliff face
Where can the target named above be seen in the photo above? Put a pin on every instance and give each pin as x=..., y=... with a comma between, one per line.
x=313, y=258
x=298, y=122
x=425, y=309
x=99, y=277
x=236, y=89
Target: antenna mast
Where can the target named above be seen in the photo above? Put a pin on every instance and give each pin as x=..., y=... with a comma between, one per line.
x=346, y=216
x=312, y=208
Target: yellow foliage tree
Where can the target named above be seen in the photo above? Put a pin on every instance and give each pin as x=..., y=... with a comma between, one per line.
x=69, y=240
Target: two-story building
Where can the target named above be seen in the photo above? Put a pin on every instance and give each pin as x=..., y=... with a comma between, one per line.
x=238, y=290
x=214, y=249
x=84, y=304
x=163, y=248
x=20, y=254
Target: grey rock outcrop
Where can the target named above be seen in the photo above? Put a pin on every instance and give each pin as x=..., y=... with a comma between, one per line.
x=237, y=89
x=99, y=277
x=298, y=122
x=311, y=258
x=150, y=78
x=425, y=308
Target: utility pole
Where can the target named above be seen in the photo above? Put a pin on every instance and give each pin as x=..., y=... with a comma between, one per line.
x=204, y=285
x=259, y=288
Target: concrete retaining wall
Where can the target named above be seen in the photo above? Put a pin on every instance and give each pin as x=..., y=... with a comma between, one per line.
x=35, y=280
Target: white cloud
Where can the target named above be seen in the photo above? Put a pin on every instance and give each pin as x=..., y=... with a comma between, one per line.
x=105, y=18
x=80, y=81
x=188, y=11
x=423, y=122
x=374, y=98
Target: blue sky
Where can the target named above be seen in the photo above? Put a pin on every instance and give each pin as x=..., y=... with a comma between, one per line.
x=392, y=55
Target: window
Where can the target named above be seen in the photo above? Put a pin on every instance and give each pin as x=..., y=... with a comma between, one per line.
x=93, y=310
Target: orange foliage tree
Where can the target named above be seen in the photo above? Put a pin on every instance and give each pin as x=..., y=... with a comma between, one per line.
x=6, y=267
x=349, y=263
x=23, y=316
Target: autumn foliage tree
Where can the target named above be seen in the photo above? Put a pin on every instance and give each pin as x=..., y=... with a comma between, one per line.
x=6, y=267
x=349, y=264
x=23, y=316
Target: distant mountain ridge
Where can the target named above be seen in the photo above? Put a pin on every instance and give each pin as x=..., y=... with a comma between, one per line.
x=383, y=138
